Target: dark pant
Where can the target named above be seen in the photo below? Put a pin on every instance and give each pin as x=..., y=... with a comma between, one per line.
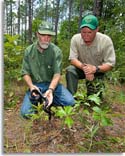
x=73, y=74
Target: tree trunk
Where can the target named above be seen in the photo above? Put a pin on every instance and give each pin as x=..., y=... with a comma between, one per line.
x=80, y=13
x=57, y=19
x=69, y=18
x=30, y=21
x=18, y=17
x=25, y=37
x=46, y=8
x=98, y=5
x=11, y=20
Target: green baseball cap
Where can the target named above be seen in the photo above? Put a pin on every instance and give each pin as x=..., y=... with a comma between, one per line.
x=90, y=21
x=46, y=28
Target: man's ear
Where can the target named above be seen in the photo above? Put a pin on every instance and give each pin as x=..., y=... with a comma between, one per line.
x=97, y=29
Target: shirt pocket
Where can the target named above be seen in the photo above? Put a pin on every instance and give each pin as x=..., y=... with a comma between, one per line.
x=98, y=57
x=49, y=72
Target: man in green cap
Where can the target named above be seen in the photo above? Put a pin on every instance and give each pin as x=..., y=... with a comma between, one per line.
x=41, y=70
x=91, y=55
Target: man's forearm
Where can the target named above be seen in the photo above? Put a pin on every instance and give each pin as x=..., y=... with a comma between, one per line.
x=105, y=67
x=55, y=81
x=77, y=63
x=28, y=80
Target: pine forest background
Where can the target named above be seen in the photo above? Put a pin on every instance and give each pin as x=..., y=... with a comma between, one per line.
x=21, y=19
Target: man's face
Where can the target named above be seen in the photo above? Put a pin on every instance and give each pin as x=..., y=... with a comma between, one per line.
x=44, y=40
x=88, y=35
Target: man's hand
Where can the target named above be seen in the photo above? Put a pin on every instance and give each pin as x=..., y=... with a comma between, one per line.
x=89, y=69
x=49, y=95
x=32, y=87
x=89, y=77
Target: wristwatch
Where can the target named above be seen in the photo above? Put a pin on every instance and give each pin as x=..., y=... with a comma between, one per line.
x=97, y=69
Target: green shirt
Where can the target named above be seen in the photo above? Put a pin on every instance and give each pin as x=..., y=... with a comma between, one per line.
x=42, y=66
x=101, y=51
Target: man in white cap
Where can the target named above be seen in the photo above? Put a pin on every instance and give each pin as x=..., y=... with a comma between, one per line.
x=41, y=69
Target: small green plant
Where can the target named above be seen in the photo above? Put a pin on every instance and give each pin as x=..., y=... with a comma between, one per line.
x=66, y=113
x=95, y=98
x=101, y=116
x=10, y=99
x=93, y=130
x=94, y=121
x=40, y=114
x=80, y=97
x=98, y=118
x=93, y=117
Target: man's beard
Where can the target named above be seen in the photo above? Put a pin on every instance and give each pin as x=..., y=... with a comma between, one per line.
x=44, y=45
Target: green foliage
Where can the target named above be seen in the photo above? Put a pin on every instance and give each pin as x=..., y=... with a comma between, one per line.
x=40, y=113
x=101, y=116
x=35, y=25
x=93, y=116
x=92, y=130
x=121, y=97
x=118, y=37
x=115, y=28
x=64, y=46
x=114, y=77
x=10, y=99
x=81, y=96
x=67, y=30
x=95, y=98
x=66, y=113
x=12, y=57
x=13, y=54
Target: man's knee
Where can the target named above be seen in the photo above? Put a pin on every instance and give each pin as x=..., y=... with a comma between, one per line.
x=70, y=101
x=70, y=69
x=26, y=112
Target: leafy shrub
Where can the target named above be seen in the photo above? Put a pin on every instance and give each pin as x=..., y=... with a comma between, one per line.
x=12, y=57
x=65, y=47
